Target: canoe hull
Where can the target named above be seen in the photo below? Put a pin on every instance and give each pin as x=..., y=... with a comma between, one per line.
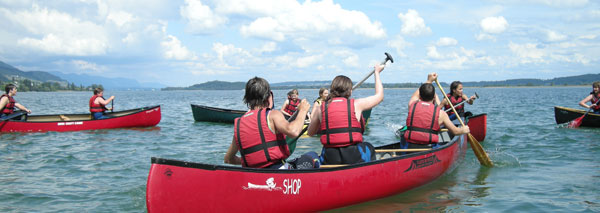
x=214, y=114
x=177, y=186
x=141, y=117
x=478, y=126
x=564, y=115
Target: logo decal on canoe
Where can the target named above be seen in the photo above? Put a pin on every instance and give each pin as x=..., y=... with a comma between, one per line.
x=290, y=186
x=421, y=163
x=69, y=123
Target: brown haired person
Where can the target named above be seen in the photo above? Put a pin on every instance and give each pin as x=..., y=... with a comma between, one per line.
x=98, y=104
x=8, y=103
x=341, y=125
x=592, y=98
x=259, y=135
x=291, y=104
x=456, y=96
x=425, y=117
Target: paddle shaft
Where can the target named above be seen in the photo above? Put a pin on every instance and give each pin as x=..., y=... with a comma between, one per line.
x=371, y=73
x=590, y=109
x=577, y=121
x=461, y=103
x=483, y=158
x=13, y=115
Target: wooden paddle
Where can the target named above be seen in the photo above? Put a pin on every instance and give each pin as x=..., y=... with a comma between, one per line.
x=292, y=143
x=577, y=121
x=483, y=157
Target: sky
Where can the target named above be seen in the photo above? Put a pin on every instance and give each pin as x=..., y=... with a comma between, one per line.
x=181, y=43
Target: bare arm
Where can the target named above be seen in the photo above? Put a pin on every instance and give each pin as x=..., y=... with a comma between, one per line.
x=294, y=128
x=3, y=102
x=469, y=100
x=443, y=119
x=18, y=105
x=104, y=102
x=371, y=101
x=315, y=122
x=230, y=157
x=586, y=99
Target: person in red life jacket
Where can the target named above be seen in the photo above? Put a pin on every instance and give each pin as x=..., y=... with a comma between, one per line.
x=259, y=134
x=341, y=125
x=291, y=104
x=98, y=104
x=425, y=117
x=8, y=103
x=592, y=98
x=456, y=96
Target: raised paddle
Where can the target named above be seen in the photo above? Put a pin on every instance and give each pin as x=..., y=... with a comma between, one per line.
x=462, y=102
x=292, y=143
x=483, y=157
x=577, y=121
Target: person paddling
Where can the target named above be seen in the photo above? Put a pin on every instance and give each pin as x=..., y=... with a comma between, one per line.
x=259, y=134
x=8, y=103
x=341, y=125
x=98, y=104
x=291, y=104
x=425, y=117
x=592, y=98
x=456, y=96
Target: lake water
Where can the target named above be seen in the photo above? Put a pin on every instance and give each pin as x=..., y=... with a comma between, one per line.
x=540, y=167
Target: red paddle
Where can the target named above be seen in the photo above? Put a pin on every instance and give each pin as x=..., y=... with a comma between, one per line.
x=577, y=122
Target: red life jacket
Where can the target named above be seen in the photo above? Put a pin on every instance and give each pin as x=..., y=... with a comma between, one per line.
x=292, y=106
x=9, y=108
x=594, y=100
x=259, y=146
x=339, y=126
x=96, y=107
x=460, y=109
x=422, y=123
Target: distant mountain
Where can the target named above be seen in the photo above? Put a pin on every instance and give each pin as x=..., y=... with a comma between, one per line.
x=586, y=79
x=107, y=83
x=8, y=72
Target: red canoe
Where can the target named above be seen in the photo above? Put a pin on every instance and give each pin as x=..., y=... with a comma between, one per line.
x=178, y=186
x=478, y=126
x=141, y=117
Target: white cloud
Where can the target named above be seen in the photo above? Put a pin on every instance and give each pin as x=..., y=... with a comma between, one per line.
x=200, y=17
x=413, y=24
x=446, y=41
x=399, y=44
x=433, y=53
x=527, y=53
x=313, y=21
x=268, y=47
x=58, y=33
x=483, y=36
x=554, y=36
x=120, y=18
x=563, y=3
x=86, y=66
x=494, y=25
x=174, y=50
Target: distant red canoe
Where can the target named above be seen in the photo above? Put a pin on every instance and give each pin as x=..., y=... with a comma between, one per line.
x=478, y=126
x=141, y=117
x=178, y=186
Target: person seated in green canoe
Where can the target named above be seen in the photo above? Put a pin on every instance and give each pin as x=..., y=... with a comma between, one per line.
x=457, y=96
x=425, y=116
x=8, y=103
x=291, y=104
x=593, y=98
x=341, y=125
x=259, y=134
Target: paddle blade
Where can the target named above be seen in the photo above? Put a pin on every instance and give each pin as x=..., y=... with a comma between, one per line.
x=575, y=123
x=483, y=158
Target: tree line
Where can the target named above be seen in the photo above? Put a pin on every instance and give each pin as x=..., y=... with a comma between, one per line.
x=26, y=85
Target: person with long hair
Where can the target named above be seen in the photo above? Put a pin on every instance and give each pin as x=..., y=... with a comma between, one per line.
x=291, y=104
x=259, y=135
x=323, y=93
x=456, y=96
x=8, y=103
x=340, y=123
x=592, y=98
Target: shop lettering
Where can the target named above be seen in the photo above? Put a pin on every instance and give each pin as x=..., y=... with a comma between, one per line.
x=292, y=186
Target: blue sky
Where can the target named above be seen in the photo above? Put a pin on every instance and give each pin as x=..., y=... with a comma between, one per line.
x=180, y=43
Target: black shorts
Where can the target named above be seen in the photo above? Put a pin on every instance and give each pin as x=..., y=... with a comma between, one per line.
x=361, y=152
